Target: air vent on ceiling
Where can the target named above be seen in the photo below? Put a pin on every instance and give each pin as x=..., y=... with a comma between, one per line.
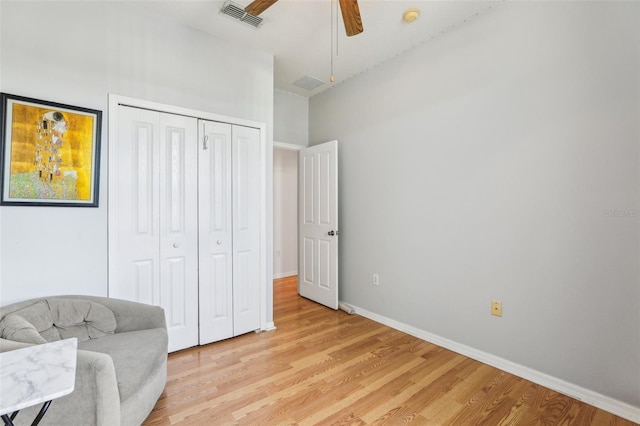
x=308, y=82
x=237, y=12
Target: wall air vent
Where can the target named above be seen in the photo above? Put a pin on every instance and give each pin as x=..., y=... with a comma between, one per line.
x=237, y=12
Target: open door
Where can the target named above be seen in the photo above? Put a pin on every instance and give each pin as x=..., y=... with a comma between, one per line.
x=318, y=223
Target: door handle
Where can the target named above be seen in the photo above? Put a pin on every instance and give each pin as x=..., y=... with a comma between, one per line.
x=332, y=233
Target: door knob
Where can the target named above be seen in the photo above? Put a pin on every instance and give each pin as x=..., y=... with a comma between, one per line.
x=176, y=245
x=219, y=242
x=332, y=233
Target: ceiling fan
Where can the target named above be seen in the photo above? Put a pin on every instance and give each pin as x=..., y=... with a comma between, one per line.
x=350, y=13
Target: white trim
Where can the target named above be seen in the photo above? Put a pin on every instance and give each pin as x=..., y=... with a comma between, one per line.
x=288, y=146
x=603, y=402
x=264, y=324
x=270, y=326
x=172, y=109
x=285, y=274
x=112, y=199
x=115, y=101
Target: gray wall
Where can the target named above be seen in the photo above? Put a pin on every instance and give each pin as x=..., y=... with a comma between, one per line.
x=291, y=118
x=77, y=53
x=501, y=161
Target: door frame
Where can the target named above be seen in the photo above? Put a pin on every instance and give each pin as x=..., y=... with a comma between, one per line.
x=114, y=102
x=288, y=146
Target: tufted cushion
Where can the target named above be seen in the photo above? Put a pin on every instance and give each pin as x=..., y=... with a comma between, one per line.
x=81, y=318
x=17, y=329
x=37, y=315
x=56, y=319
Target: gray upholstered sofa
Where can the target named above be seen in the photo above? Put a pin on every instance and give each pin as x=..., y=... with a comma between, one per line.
x=122, y=355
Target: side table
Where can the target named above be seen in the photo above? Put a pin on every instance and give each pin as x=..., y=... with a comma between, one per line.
x=34, y=375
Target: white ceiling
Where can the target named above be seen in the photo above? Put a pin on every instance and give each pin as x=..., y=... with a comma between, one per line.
x=299, y=33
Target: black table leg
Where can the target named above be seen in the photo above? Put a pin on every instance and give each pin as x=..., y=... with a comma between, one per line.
x=43, y=410
x=8, y=421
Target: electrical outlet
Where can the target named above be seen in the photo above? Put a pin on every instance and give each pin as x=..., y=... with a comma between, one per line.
x=496, y=308
x=376, y=279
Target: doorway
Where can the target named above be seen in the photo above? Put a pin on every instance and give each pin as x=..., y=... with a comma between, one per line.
x=305, y=205
x=285, y=210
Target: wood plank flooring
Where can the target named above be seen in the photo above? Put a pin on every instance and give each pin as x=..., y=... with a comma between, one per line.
x=322, y=367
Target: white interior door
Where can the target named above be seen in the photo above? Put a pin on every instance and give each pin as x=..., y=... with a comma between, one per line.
x=318, y=223
x=216, y=232
x=154, y=200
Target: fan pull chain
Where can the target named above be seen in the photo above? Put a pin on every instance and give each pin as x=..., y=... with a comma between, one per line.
x=337, y=26
x=331, y=79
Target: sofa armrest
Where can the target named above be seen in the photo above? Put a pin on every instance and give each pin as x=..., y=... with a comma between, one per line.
x=96, y=392
x=95, y=399
x=10, y=345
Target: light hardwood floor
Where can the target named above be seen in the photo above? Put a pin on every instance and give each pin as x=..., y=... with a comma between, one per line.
x=329, y=368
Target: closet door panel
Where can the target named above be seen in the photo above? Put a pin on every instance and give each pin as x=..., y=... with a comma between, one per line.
x=216, y=241
x=246, y=229
x=135, y=272
x=178, y=228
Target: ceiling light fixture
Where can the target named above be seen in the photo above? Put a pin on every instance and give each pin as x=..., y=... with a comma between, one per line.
x=411, y=15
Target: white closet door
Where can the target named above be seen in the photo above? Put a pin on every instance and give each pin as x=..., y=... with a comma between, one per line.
x=216, y=230
x=229, y=221
x=246, y=229
x=179, y=228
x=154, y=200
x=134, y=240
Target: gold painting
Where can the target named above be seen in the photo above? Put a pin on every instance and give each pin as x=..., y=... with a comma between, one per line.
x=50, y=153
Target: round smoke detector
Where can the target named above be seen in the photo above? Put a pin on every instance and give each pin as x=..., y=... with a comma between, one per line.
x=411, y=15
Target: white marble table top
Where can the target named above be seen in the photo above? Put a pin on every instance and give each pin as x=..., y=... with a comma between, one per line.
x=37, y=374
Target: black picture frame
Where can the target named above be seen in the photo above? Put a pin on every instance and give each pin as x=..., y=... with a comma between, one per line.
x=50, y=153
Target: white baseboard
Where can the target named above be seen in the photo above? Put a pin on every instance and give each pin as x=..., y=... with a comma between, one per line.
x=285, y=274
x=270, y=326
x=603, y=402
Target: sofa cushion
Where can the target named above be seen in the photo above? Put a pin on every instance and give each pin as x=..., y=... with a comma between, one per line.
x=56, y=319
x=15, y=328
x=39, y=316
x=82, y=319
x=136, y=356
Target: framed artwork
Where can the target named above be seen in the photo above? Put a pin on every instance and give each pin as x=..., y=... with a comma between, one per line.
x=50, y=153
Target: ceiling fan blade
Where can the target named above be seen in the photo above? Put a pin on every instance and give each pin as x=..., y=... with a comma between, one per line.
x=256, y=7
x=351, y=17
